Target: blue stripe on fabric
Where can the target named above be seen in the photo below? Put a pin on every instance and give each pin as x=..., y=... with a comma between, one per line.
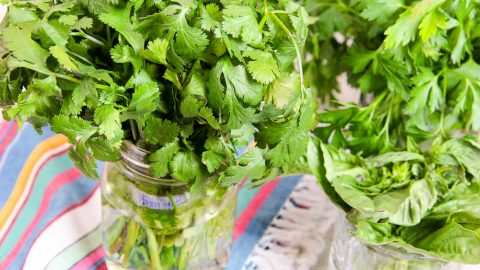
x=18, y=155
x=65, y=197
x=97, y=264
x=255, y=230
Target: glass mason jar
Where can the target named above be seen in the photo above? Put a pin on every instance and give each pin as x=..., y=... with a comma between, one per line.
x=350, y=253
x=151, y=223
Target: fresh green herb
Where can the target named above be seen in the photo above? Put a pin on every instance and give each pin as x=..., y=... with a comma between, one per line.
x=424, y=204
x=189, y=81
x=396, y=156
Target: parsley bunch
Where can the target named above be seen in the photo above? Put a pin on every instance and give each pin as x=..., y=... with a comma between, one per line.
x=189, y=81
x=410, y=148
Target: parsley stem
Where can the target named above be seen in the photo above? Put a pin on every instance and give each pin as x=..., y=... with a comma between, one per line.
x=342, y=5
x=442, y=115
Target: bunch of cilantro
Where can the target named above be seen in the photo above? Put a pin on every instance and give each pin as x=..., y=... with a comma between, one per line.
x=403, y=162
x=189, y=81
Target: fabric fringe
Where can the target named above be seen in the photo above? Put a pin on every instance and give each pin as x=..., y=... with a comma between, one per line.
x=300, y=235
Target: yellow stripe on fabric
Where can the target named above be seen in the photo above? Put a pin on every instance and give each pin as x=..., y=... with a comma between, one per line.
x=22, y=180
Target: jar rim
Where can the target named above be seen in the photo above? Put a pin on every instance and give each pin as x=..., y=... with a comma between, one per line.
x=133, y=164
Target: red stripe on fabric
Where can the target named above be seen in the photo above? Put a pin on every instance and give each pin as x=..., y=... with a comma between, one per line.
x=252, y=208
x=30, y=192
x=4, y=127
x=61, y=214
x=103, y=266
x=9, y=137
x=90, y=260
x=58, y=182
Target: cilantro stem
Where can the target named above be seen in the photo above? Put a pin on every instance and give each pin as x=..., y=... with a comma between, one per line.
x=132, y=233
x=279, y=12
x=340, y=5
x=89, y=37
x=81, y=58
x=262, y=22
x=75, y=80
x=133, y=127
x=230, y=154
x=153, y=249
x=297, y=50
x=109, y=37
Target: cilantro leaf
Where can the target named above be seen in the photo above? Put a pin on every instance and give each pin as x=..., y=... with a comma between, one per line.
x=104, y=150
x=86, y=164
x=160, y=131
x=86, y=93
x=186, y=166
x=241, y=21
x=125, y=54
x=211, y=17
x=20, y=43
x=119, y=19
x=161, y=158
x=207, y=114
x=190, y=106
x=83, y=23
x=293, y=143
x=97, y=6
x=145, y=98
x=263, y=67
x=63, y=58
x=215, y=155
x=242, y=136
x=250, y=165
x=72, y=127
x=190, y=41
x=236, y=79
x=108, y=120
x=238, y=115
x=157, y=51
x=281, y=91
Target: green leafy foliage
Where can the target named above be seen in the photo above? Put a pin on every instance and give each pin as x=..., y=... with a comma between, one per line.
x=241, y=21
x=395, y=161
x=108, y=120
x=161, y=159
x=184, y=80
x=250, y=165
x=411, y=199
